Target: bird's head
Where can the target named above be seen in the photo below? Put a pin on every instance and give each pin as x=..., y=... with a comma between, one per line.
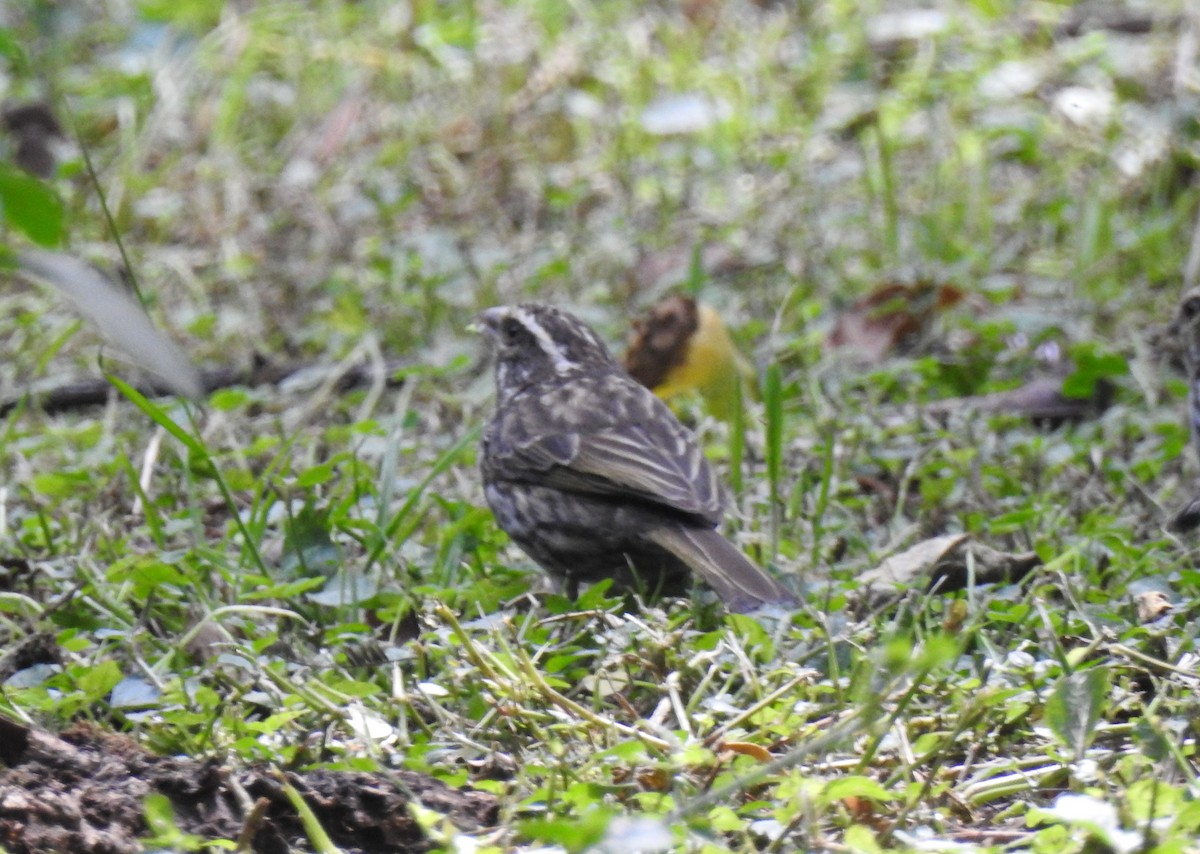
x=535, y=342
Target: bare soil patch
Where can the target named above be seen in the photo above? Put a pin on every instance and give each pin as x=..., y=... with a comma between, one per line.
x=84, y=791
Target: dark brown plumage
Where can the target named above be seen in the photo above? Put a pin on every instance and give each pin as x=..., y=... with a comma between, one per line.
x=593, y=476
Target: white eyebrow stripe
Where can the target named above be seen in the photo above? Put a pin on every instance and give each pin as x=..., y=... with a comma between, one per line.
x=548, y=345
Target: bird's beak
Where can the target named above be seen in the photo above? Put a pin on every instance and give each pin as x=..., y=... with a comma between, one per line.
x=488, y=320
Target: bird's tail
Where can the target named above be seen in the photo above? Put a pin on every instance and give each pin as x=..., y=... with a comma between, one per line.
x=741, y=585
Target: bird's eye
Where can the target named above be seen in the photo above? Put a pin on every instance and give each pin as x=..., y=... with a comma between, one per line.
x=1190, y=308
x=511, y=329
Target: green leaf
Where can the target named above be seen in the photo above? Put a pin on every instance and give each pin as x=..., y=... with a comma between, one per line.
x=356, y=688
x=595, y=596
x=229, y=399
x=307, y=544
x=347, y=587
x=1075, y=706
x=1151, y=741
x=97, y=681
x=31, y=207
x=939, y=649
x=724, y=820
x=146, y=575
x=160, y=817
x=1091, y=366
x=159, y=416
x=861, y=839
x=401, y=516
x=10, y=47
x=576, y=833
x=194, y=16
x=316, y=475
x=59, y=484
x=1150, y=799
x=857, y=787
x=288, y=591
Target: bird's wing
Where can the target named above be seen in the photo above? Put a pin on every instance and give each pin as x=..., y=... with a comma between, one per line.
x=660, y=464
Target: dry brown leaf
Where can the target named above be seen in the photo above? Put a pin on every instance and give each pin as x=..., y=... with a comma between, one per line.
x=879, y=323
x=655, y=779
x=746, y=748
x=956, y=616
x=1040, y=400
x=864, y=812
x=668, y=268
x=947, y=562
x=701, y=14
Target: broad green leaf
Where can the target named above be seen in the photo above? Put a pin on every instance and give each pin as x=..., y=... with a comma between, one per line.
x=1075, y=706
x=31, y=207
x=857, y=787
x=1091, y=366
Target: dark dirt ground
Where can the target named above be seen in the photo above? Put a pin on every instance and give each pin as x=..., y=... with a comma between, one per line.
x=84, y=791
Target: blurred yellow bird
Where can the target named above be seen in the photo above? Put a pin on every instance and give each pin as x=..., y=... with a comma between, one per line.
x=683, y=347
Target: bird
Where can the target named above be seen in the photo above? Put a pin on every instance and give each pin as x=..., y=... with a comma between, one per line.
x=683, y=346
x=1184, y=331
x=593, y=477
